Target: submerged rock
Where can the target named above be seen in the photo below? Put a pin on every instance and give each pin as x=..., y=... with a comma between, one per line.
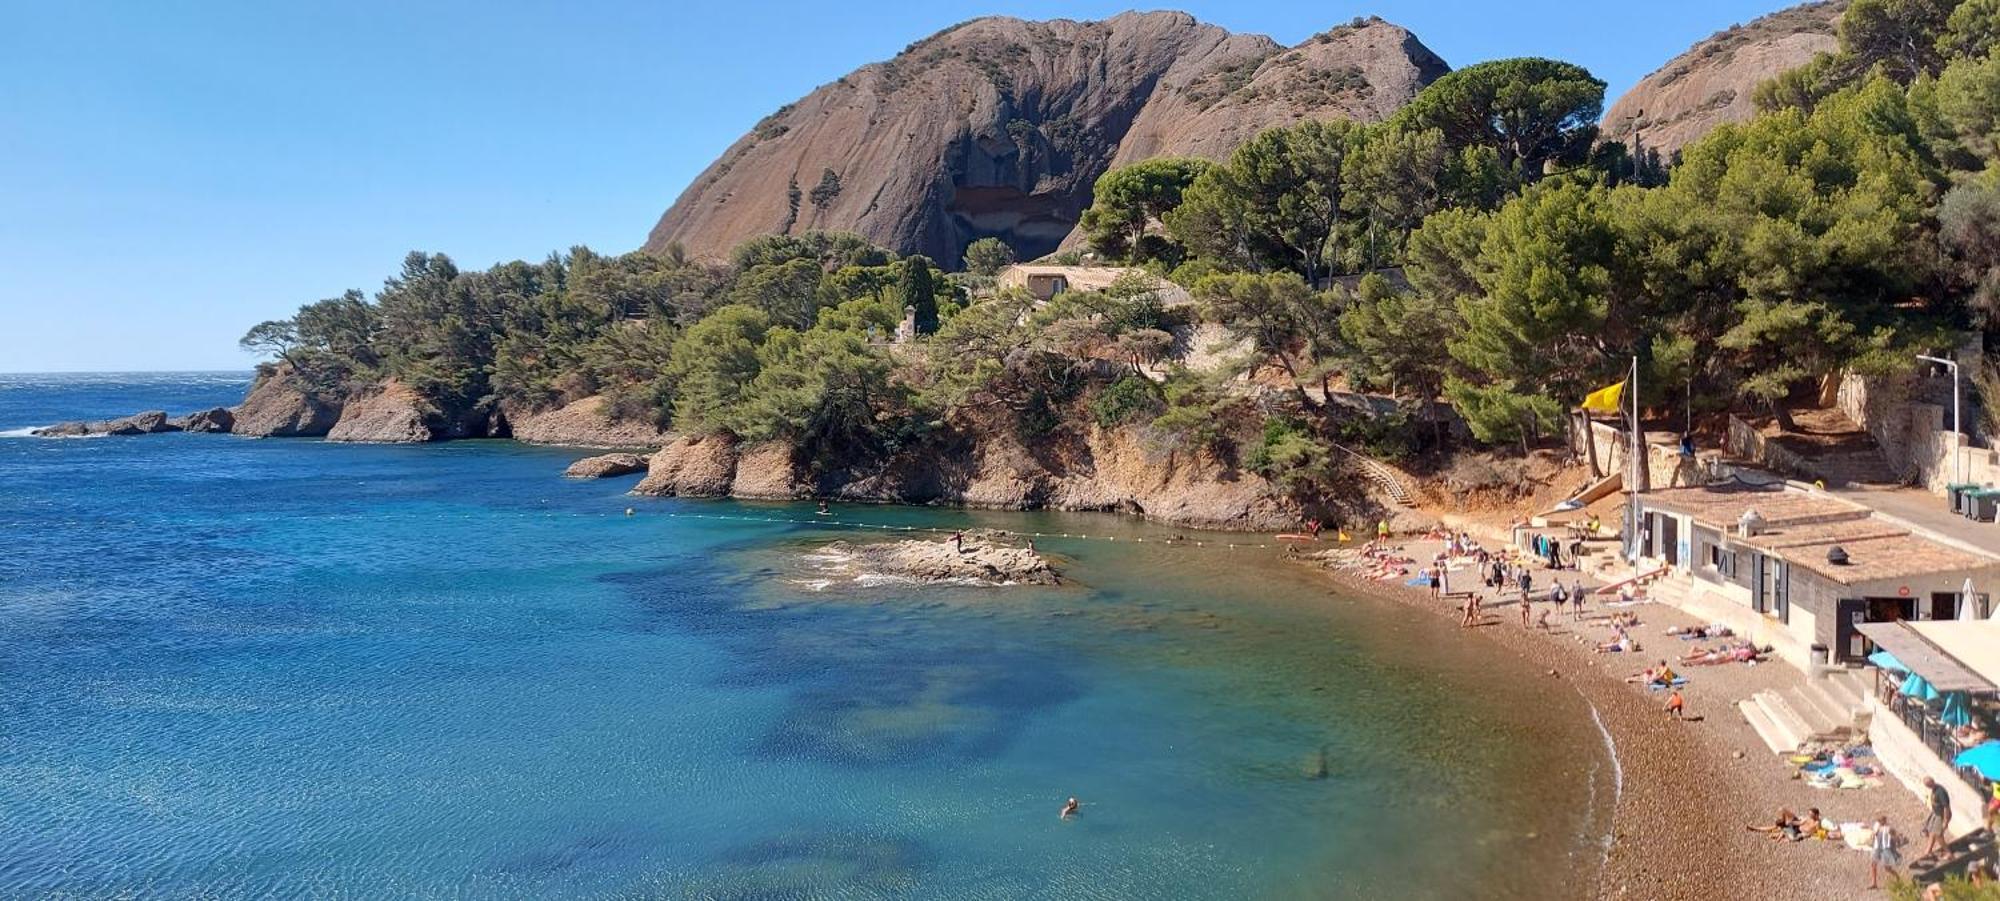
x=606, y=466
x=982, y=558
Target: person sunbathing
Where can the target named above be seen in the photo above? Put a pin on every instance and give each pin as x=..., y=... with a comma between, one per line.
x=1786, y=827
x=1734, y=653
x=1622, y=643
x=1968, y=735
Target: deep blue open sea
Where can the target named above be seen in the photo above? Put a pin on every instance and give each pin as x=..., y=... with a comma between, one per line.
x=235, y=668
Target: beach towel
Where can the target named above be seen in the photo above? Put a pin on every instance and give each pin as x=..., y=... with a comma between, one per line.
x=1678, y=682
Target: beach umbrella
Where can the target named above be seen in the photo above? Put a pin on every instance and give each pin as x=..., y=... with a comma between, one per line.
x=1955, y=711
x=1916, y=687
x=1966, y=604
x=1984, y=758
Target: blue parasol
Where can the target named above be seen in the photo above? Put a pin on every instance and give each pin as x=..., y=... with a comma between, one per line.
x=1888, y=661
x=1984, y=758
x=1916, y=687
x=1955, y=711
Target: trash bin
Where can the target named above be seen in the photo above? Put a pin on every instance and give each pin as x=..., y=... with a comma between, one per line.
x=1982, y=504
x=1957, y=491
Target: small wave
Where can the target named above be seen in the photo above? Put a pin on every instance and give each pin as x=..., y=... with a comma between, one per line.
x=24, y=432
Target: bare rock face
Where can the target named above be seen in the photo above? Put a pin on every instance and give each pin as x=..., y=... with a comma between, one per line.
x=1000, y=127
x=765, y=471
x=584, y=423
x=605, y=466
x=1713, y=82
x=694, y=466
x=390, y=414
x=279, y=407
x=218, y=419
x=1365, y=70
x=982, y=557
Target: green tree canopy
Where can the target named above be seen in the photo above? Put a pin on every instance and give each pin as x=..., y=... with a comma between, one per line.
x=1531, y=111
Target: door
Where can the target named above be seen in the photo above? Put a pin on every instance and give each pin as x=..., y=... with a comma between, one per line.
x=1760, y=581
x=1781, y=590
x=1944, y=605
x=1670, y=540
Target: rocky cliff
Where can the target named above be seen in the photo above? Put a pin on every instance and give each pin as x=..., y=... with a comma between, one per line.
x=1108, y=470
x=999, y=127
x=1713, y=82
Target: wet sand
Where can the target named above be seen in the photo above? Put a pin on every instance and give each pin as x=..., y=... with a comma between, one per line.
x=1689, y=787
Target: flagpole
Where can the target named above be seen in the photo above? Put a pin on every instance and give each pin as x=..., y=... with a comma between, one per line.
x=1634, y=448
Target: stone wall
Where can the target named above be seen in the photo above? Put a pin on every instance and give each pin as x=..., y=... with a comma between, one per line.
x=1668, y=468
x=1912, y=432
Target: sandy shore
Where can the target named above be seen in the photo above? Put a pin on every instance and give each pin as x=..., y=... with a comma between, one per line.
x=1689, y=787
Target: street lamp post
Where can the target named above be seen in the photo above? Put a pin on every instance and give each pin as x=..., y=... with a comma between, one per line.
x=1958, y=443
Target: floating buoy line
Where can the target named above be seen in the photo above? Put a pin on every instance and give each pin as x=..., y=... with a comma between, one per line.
x=884, y=527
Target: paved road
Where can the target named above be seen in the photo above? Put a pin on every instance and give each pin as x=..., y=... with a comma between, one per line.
x=1927, y=511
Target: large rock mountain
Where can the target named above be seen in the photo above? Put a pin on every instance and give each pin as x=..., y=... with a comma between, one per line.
x=999, y=127
x=1714, y=80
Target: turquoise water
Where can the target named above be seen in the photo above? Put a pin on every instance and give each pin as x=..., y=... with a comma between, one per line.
x=238, y=668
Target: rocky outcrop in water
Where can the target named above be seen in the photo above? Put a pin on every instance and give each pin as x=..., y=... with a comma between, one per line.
x=278, y=406
x=218, y=419
x=148, y=423
x=1000, y=127
x=985, y=557
x=693, y=466
x=390, y=414
x=606, y=466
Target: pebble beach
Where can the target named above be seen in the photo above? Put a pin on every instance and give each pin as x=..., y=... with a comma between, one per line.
x=1688, y=787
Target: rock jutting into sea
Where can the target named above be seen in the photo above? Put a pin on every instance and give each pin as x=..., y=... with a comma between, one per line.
x=982, y=557
x=147, y=423
x=604, y=466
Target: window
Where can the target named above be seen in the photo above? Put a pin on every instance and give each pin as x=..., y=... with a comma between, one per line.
x=1722, y=561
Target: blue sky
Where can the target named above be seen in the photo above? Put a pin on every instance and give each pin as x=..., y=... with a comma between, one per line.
x=173, y=172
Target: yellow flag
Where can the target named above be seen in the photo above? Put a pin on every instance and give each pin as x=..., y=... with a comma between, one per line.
x=1605, y=400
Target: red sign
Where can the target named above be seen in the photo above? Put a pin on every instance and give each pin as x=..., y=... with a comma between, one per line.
x=1903, y=591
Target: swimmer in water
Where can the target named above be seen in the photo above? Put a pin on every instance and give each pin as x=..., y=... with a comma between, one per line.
x=1070, y=809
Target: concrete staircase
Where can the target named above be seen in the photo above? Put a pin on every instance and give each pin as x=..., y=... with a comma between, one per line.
x=1382, y=477
x=1827, y=707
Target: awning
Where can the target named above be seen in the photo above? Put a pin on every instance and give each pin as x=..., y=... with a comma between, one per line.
x=1888, y=661
x=1943, y=671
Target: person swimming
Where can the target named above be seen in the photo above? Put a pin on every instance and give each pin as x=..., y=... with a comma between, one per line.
x=1071, y=808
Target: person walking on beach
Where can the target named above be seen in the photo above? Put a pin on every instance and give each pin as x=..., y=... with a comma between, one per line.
x=1676, y=705
x=1524, y=609
x=1576, y=599
x=958, y=542
x=1882, y=853
x=1471, y=609
x=1527, y=582
x=1381, y=530
x=1437, y=580
x=1939, y=820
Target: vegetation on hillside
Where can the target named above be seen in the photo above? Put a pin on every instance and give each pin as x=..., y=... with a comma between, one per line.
x=1481, y=246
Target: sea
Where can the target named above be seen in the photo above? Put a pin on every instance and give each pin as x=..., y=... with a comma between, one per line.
x=287, y=668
